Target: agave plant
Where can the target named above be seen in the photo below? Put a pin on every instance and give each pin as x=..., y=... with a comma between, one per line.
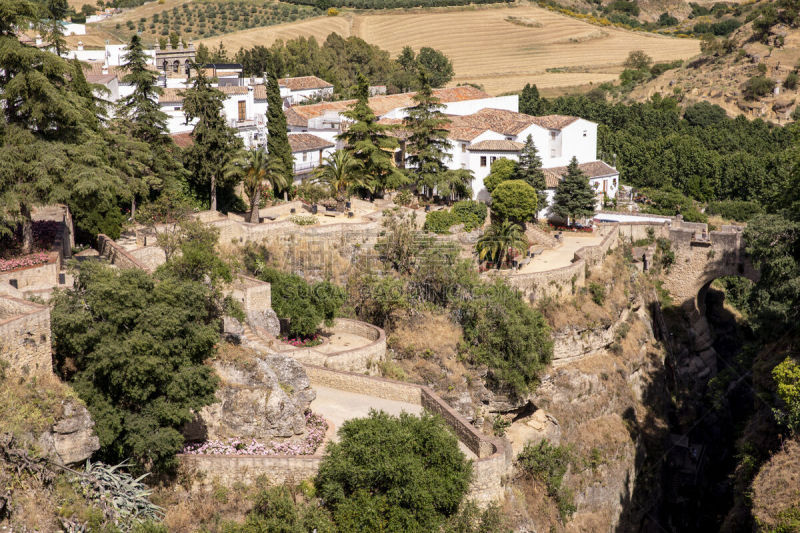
x=123, y=498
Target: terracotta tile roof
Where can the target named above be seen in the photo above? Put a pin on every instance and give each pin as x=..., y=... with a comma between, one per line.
x=100, y=79
x=304, y=142
x=232, y=89
x=554, y=122
x=397, y=131
x=509, y=122
x=463, y=133
x=95, y=68
x=171, y=95
x=495, y=145
x=304, y=83
x=260, y=92
x=384, y=103
x=592, y=169
x=182, y=140
x=293, y=118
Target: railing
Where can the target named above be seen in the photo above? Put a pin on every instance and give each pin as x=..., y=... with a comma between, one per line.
x=300, y=168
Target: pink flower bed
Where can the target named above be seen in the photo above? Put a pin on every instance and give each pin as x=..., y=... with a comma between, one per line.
x=300, y=343
x=584, y=229
x=316, y=426
x=23, y=261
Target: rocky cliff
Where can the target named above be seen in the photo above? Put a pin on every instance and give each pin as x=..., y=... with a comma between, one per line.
x=259, y=397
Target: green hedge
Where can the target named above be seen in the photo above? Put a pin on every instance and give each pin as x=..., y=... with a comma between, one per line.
x=468, y=212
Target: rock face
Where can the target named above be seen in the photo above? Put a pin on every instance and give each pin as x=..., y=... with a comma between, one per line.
x=71, y=439
x=265, y=400
x=265, y=319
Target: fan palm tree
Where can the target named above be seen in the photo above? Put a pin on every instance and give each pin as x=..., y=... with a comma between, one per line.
x=339, y=172
x=499, y=240
x=254, y=169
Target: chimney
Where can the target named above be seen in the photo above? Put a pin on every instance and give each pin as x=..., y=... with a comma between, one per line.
x=80, y=46
x=105, y=68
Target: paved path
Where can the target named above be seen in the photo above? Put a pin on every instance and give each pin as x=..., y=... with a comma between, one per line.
x=339, y=406
x=560, y=257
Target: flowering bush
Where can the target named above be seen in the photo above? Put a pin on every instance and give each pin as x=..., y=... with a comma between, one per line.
x=557, y=227
x=298, y=342
x=39, y=258
x=316, y=426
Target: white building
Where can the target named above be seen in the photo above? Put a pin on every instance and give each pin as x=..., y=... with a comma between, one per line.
x=480, y=138
x=309, y=152
x=299, y=89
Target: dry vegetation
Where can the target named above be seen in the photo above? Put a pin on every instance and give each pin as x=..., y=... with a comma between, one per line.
x=776, y=490
x=488, y=49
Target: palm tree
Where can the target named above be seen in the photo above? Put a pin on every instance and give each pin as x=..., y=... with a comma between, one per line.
x=339, y=172
x=253, y=166
x=499, y=240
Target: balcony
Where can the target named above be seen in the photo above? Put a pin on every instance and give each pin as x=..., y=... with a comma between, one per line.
x=305, y=167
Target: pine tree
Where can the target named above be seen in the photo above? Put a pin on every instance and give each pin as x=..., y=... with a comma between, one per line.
x=141, y=116
x=280, y=153
x=370, y=145
x=215, y=144
x=530, y=102
x=428, y=142
x=529, y=169
x=54, y=147
x=574, y=196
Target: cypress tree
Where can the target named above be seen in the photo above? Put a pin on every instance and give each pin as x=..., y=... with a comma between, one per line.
x=370, y=145
x=529, y=170
x=215, y=144
x=280, y=153
x=530, y=102
x=574, y=196
x=428, y=142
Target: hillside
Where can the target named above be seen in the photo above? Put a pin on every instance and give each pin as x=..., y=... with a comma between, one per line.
x=766, y=50
x=501, y=49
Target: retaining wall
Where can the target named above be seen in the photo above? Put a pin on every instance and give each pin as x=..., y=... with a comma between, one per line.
x=561, y=281
x=150, y=256
x=25, y=336
x=116, y=254
x=362, y=359
x=37, y=276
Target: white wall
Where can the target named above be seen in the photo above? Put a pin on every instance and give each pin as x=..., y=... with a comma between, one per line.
x=579, y=139
x=71, y=28
x=310, y=159
x=479, y=172
x=468, y=107
x=296, y=97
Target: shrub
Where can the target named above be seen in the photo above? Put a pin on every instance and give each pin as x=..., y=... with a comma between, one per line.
x=507, y=335
x=548, y=464
x=787, y=379
x=598, y=293
x=758, y=86
x=503, y=169
x=440, y=221
x=791, y=81
x=393, y=473
x=515, y=200
x=739, y=210
x=468, y=212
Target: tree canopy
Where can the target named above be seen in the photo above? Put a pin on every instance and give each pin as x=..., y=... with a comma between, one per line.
x=393, y=474
x=574, y=197
x=515, y=200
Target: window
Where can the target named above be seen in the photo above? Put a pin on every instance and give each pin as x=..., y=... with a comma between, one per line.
x=494, y=159
x=176, y=65
x=242, y=109
x=305, y=156
x=177, y=108
x=553, y=134
x=463, y=147
x=483, y=160
x=552, y=152
x=615, y=183
x=584, y=133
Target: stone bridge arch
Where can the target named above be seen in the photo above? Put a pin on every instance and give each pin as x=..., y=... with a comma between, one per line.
x=700, y=258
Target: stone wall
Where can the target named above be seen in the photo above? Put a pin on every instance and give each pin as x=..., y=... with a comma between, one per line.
x=362, y=359
x=561, y=281
x=254, y=294
x=230, y=470
x=38, y=276
x=151, y=257
x=116, y=254
x=25, y=336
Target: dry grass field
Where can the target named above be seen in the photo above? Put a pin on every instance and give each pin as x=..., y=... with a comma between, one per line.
x=552, y=51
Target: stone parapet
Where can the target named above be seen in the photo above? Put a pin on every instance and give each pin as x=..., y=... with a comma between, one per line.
x=116, y=254
x=25, y=336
